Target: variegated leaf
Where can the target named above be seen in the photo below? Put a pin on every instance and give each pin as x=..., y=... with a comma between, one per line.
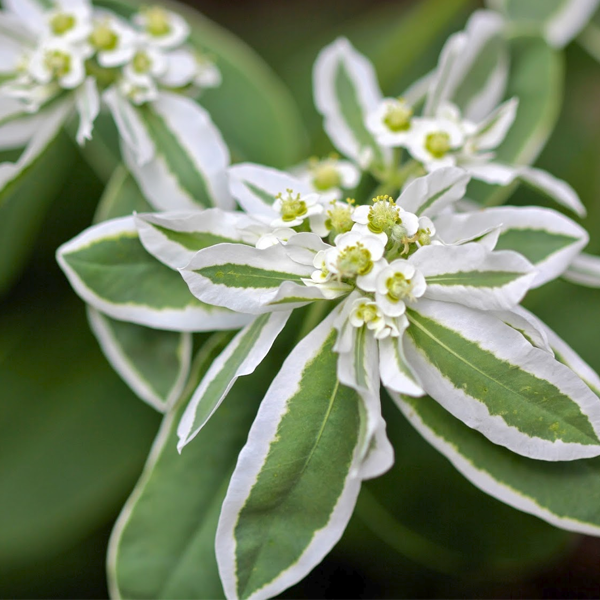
x=547, y=239
x=472, y=275
x=154, y=363
x=247, y=279
x=430, y=194
x=174, y=238
x=241, y=357
x=293, y=489
x=110, y=269
x=345, y=91
x=255, y=187
x=489, y=376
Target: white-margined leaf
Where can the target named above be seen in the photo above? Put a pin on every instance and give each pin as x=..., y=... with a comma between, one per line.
x=187, y=168
x=174, y=238
x=430, y=194
x=564, y=494
x=489, y=376
x=154, y=363
x=548, y=240
x=292, y=492
x=472, y=275
x=255, y=187
x=345, y=91
x=110, y=269
x=247, y=279
x=241, y=357
x=472, y=69
x=584, y=269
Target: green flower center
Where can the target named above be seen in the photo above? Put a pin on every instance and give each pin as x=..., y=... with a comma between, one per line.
x=157, y=21
x=58, y=63
x=354, y=260
x=367, y=313
x=325, y=177
x=437, y=144
x=292, y=207
x=397, y=117
x=141, y=62
x=340, y=219
x=103, y=37
x=61, y=23
x=383, y=215
x=398, y=287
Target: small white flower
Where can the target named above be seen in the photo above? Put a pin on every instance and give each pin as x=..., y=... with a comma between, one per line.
x=113, y=40
x=329, y=175
x=57, y=61
x=161, y=27
x=365, y=311
x=295, y=208
x=435, y=141
x=356, y=257
x=397, y=282
x=391, y=122
x=71, y=24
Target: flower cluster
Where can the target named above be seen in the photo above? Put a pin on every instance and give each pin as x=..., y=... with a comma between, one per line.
x=63, y=46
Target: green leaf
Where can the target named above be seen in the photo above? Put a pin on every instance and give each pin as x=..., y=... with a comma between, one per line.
x=292, y=492
x=73, y=437
x=558, y=20
x=536, y=79
x=489, y=376
x=152, y=362
x=175, y=238
x=163, y=543
x=122, y=197
x=496, y=542
x=241, y=357
x=110, y=269
x=269, y=129
x=24, y=202
x=565, y=494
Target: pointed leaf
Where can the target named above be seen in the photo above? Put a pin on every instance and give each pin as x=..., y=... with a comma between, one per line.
x=174, y=238
x=241, y=357
x=162, y=545
x=430, y=194
x=472, y=69
x=584, y=269
x=547, y=239
x=243, y=278
x=110, y=269
x=154, y=363
x=188, y=169
x=472, y=275
x=291, y=493
x=346, y=90
x=489, y=376
x=564, y=494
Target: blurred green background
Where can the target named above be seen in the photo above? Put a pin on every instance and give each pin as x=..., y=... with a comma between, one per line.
x=73, y=438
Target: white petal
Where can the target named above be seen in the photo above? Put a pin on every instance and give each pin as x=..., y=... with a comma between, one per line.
x=88, y=106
